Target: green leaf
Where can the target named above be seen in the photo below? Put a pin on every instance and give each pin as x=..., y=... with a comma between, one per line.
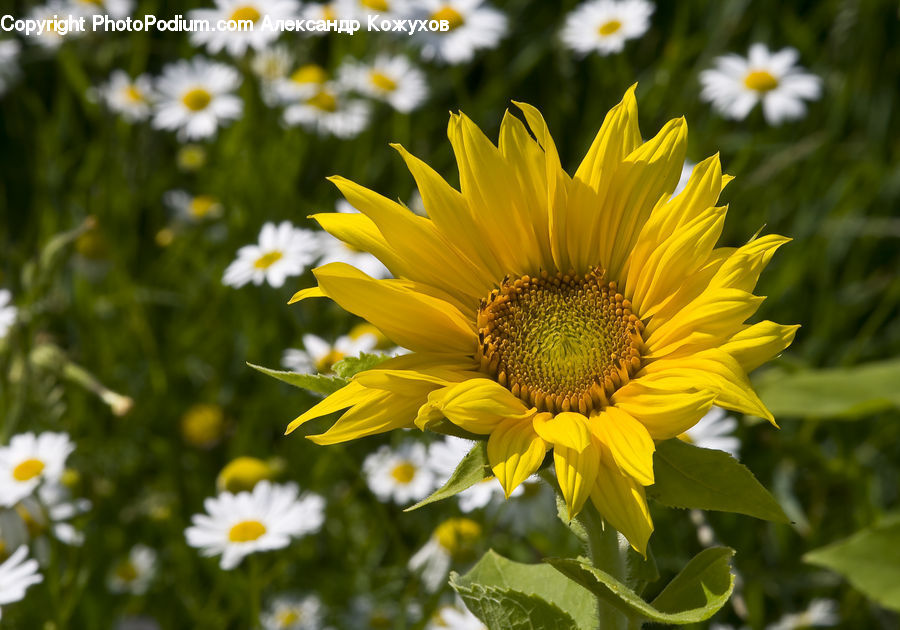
x=869, y=559
x=842, y=393
x=516, y=596
x=694, y=595
x=351, y=366
x=317, y=383
x=692, y=477
x=473, y=469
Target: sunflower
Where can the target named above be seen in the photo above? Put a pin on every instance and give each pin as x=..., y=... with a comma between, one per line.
x=588, y=314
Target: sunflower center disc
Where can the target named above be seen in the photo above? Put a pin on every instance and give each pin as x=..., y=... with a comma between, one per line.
x=561, y=342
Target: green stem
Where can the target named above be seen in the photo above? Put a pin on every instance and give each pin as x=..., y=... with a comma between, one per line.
x=603, y=548
x=254, y=588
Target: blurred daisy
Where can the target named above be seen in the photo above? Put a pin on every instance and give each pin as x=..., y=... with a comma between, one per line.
x=193, y=208
x=30, y=459
x=389, y=78
x=134, y=573
x=336, y=250
x=453, y=541
x=244, y=473
x=370, y=613
x=362, y=9
x=715, y=430
x=400, y=475
x=737, y=84
x=17, y=573
x=271, y=66
x=9, y=69
x=320, y=356
x=293, y=613
x=8, y=312
x=686, y=171
x=327, y=110
x=455, y=617
x=283, y=251
x=443, y=458
x=52, y=14
x=237, y=525
x=474, y=26
x=236, y=42
x=327, y=11
x=603, y=26
x=303, y=82
x=820, y=614
x=126, y=96
x=50, y=510
x=115, y=9
x=195, y=97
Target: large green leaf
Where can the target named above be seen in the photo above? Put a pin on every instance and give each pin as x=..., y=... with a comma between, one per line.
x=316, y=383
x=833, y=393
x=516, y=596
x=688, y=476
x=869, y=559
x=695, y=594
x=472, y=469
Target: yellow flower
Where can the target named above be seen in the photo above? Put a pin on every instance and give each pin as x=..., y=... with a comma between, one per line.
x=589, y=314
x=243, y=473
x=203, y=425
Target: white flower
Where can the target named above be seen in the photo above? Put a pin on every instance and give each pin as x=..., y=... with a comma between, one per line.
x=193, y=208
x=455, y=617
x=9, y=70
x=51, y=508
x=737, y=84
x=283, y=251
x=293, y=613
x=195, y=97
x=30, y=459
x=362, y=9
x=132, y=98
x=52, y=14
x=821, y=613
x=267, y=518
x=236, y=42
x=327, y=11
x=453, y=540
x=389, y=78
x=115, y=9
x=686, y=171
x=324, y=108
x=714, y=430
x=443, y=458
x=8, y=312
x=399, y=475
x=271, y=65
x=473, y=26
x=16, y=574
x=604, y=25
x=134, y=573
x=320, y=356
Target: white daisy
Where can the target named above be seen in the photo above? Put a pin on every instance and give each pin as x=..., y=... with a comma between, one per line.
x=336, y=250
x=455, y=617
x=193, y=208
x=267, y=518
x=9, y=69
x=474, y=26
x=400, y=475
x=115, y=9
x=195, y=97
x=603, y=26
x=328, y=11
x=320, y=356
x=8, y=312
x=327, y=110
x=236, y=42
x=454, y=540
x=820, y=614
x=362, y=9
x=293, y=613
x=52, y=14
x=272, y=65
x=30, y=459
x=132, y=98
x=715, y=430
x=50, y=509
x=17, y=573
x=389, y=78
x=443, y=458
x=134, y=573
x=302, y=83
x=737, y=84
x=283, y=251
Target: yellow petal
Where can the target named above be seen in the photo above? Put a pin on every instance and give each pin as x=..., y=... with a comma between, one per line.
x=569, y=429
x=618, y=136
x=410, y=382
x=360, y=232
x=302, y=294
x=477, y=405
x=756, y=344
x=385, y=411
x=576, y=472
x=629, y=442
x=741, y=270
x=515, y=452
x=621, y=501
x=664, y=412
x=346, y=396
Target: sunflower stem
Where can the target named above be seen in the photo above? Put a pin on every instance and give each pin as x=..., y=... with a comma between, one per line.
x=605, y=554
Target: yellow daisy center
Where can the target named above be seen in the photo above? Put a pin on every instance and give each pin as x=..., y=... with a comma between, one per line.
x=288, y=618
x=382, y=81
x=324, y=100
x=761, y=81
x=562, y=342
x=126, y=571
x=246, y=531
x=608, y=28
x=28, y=469
x=134, y=95
x=310, y=73
x=246, y=13
x=325, y=364
x=328, y=12
x=458, y=536
x=268, y=259
x=375, y=5
x=451, y=15
x=197, y=99
x=96, y=3
x=202, y=205
x=404, y=472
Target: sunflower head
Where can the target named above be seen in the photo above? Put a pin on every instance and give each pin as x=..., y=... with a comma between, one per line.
x=588, y=314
